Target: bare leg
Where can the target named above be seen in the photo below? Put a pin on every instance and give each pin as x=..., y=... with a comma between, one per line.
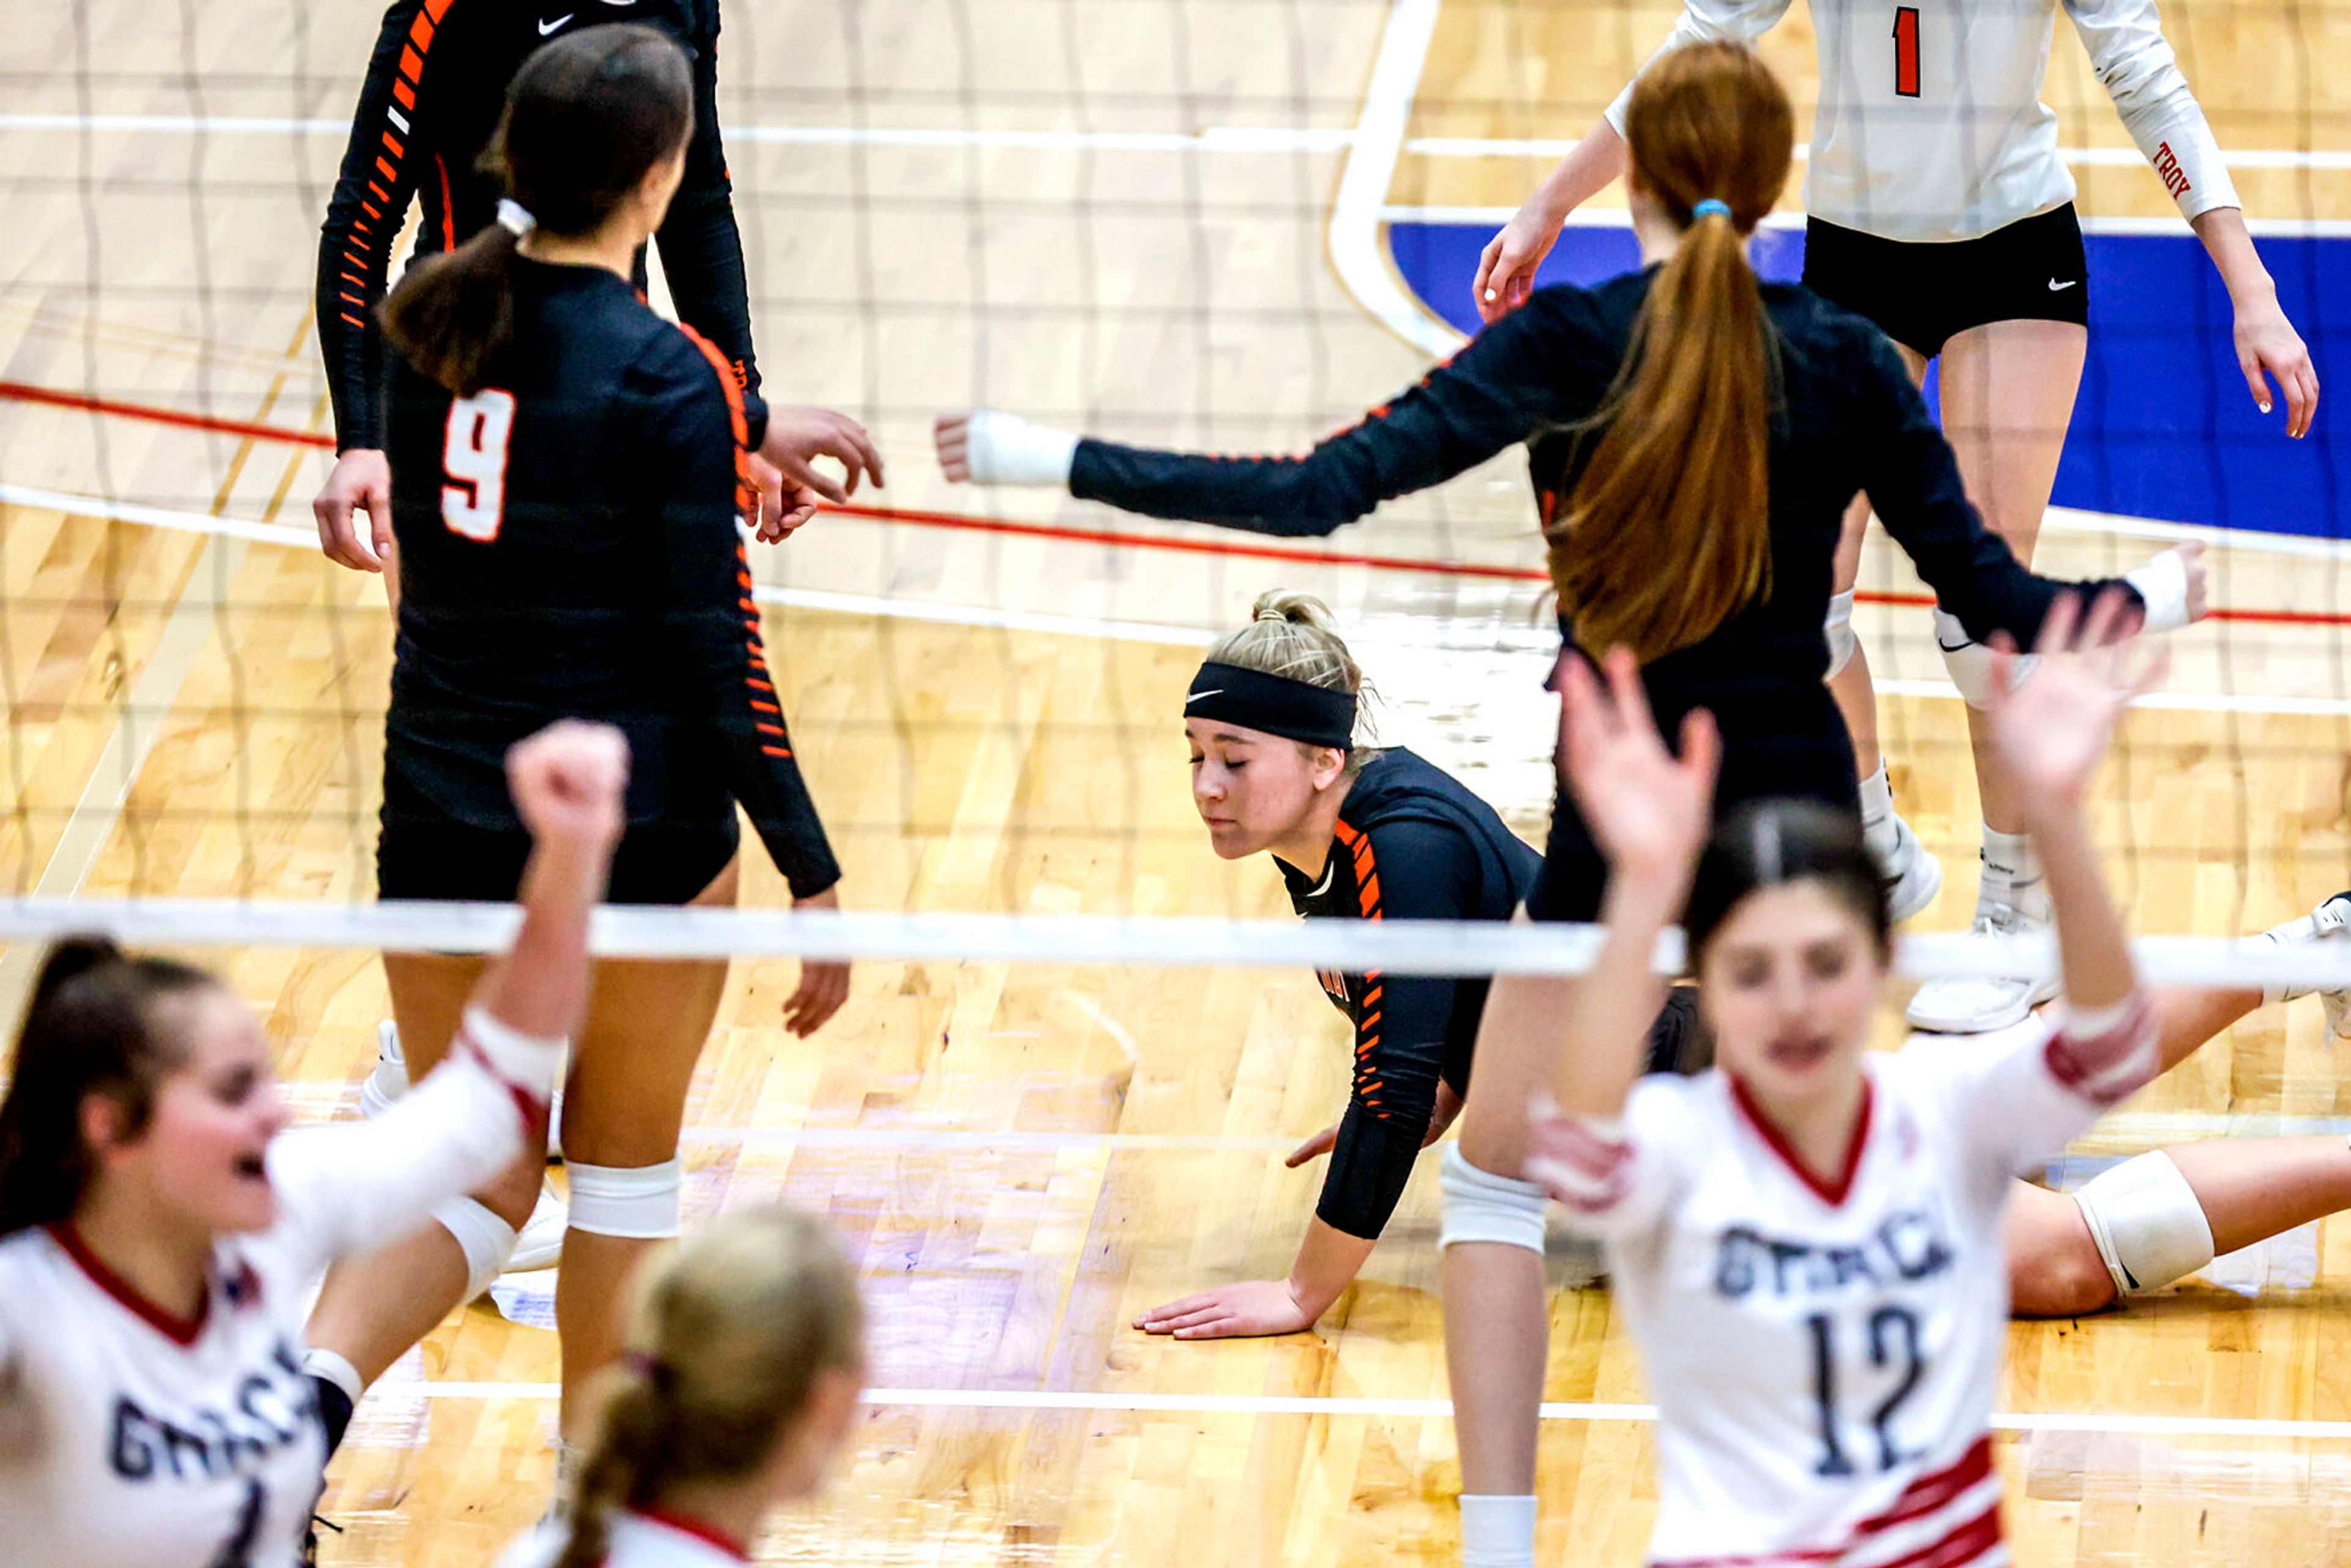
x=622, y=1106
x=1496, y=1325
x=2008, y=393
x=375, y=1305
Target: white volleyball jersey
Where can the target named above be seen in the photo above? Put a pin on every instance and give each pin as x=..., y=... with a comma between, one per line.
x=1930, y=124
x=636, y=1540
x=130, y=1438
x=1824, y=1356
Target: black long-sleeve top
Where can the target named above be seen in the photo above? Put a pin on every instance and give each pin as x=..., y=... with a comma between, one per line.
x=435, y=88
x=1848, y=420
x=1411, y=843
x=567, y=548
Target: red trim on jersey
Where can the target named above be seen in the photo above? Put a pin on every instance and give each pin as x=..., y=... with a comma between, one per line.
x=1960, y=1547
x=179, y=1331
x=527, y=1105
x=1928, y=1493
x=448, y=208
x=693, y=1529
x=1834, y=1193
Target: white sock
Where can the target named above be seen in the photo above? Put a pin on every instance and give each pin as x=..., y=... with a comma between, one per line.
x=336, y=1369
x=1877, y=828
x=1498, y=1532
x=2011, y=875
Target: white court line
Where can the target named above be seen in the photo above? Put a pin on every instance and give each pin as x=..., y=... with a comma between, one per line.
x=1211, y=139
x=1189, y=636
x=1361, y=260
x=1595, y=217
x=1332, y=1406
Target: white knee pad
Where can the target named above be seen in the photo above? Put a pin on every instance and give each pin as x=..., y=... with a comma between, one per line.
x=1968, y=661
x=1839, y=627
x=1482, y=1207
x=487, y=1240
x=2146, y=1222
x=640, y=1201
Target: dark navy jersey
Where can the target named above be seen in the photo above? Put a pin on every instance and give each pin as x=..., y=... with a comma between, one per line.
x=567, y=548
x=1411, y=843
x=435, y=89
x=1848, y=420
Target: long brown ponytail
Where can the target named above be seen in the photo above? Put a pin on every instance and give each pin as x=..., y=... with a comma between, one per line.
x=730, y=1335
x=1666, y=534
x=586, y=118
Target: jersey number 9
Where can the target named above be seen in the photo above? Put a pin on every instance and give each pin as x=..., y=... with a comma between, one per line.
x=474, y=501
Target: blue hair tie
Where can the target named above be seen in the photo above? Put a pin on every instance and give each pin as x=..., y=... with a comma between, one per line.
x=1710, y=208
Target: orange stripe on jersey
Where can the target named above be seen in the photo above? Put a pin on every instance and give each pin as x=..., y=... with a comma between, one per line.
x=448, y=217
x=389, y=172
x=759, y=685
x=758, y=707
x=411, y=64
x=402, y=91
x=381, y=193
x=436, y=9
x=421, y=31
x=394, y=142
x=352, y=319
x=747, y=494
x=776, y=750
x=359, y=262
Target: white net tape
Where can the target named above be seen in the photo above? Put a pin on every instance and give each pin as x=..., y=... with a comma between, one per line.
x=1395, y=947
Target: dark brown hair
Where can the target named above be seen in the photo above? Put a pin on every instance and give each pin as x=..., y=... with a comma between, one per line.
x=586, y=118
x=95, y=1025
x=730, y=1333
x=1667, y=533
x=1772, y=843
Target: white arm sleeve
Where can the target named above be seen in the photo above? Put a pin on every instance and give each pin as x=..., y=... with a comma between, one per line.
x=1617, y=1177
x=1745, y=20
x=358, y=1184
x=2135, y=64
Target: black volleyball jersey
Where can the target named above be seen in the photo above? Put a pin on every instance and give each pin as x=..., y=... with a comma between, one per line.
x=435, y=89
x=567, y=548
x=1411, y=843
x=1847, y=419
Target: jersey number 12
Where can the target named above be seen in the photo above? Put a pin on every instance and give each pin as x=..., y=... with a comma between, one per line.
x=1906, y=51
x=472, y=502
x=1894, y=1342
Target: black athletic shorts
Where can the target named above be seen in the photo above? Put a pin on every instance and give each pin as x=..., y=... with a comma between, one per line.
x=1922, y=294
x=421, y=853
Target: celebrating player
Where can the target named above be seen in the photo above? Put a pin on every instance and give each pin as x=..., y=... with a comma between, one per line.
x=739, y=1390
x=565, y=468
x=427, y=109
x=159, y=1228
x=1940, y=210
x=1806, y=1240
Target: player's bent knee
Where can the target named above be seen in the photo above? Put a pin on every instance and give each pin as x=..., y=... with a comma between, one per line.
x=2059, y=1276
x=1482, y=1207
x=2149, y=1228
x=1839, y=627
x=633, y=1201
x=1968, y=661
x=487, y=1239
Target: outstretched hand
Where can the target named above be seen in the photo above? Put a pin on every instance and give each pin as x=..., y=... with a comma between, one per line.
x=1506, y=269
x=2052, y=723
x=1245, y=1310
x=1648, y=810
x=2267, y=343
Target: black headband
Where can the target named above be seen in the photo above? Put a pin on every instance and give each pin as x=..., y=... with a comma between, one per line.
x=1274, y=703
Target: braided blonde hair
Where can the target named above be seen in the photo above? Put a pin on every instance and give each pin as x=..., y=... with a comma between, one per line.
x=729, y=1336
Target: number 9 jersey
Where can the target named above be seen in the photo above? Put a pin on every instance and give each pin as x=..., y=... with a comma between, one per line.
x=1930, y=124
x=1825, y=1355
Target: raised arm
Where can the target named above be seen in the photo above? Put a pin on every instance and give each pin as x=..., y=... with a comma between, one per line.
x=356, y=1184
x=1505, y=271
x=2135, y=64
x=1540, y=367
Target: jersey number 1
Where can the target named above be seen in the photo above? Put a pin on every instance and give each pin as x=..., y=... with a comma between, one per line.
x=473, y=503
x=1906, y=51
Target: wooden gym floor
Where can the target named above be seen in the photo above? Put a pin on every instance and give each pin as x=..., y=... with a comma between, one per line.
x=1155, y=217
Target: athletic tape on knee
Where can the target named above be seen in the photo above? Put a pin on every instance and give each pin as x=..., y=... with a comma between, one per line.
x=487, y=1240
x=639, y=1201
x=1839, y=627
x=1482, y=1207
x=1968, y=661
x=2149, y=1228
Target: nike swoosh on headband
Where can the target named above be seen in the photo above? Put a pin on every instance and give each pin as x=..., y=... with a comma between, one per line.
x=1195, y=696
x=547, y=27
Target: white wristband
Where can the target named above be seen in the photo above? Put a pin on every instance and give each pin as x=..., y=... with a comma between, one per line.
x=1006, y=449
x=523, y=1061
x=2162, y=584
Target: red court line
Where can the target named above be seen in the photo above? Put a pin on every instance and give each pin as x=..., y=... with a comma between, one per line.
x=20, y=392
